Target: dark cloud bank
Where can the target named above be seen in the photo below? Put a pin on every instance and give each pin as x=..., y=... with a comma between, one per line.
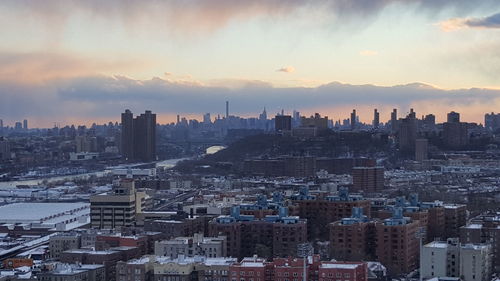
x=97, y=97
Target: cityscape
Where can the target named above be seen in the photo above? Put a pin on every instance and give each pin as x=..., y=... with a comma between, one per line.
x=249, y=169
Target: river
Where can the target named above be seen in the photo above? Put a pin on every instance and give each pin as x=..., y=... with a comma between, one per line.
x=170, y=163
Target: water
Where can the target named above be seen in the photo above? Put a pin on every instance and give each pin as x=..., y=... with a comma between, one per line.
x=12, y=184
x=214, y=149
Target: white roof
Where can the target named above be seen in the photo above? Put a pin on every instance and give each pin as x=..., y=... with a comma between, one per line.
x=339, y=265
x=33, y=212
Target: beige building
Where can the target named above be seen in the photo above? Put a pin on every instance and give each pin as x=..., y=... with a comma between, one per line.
x=475, y=262
x=63, y=242
x=211, y=247
x=469, y=262
x=118, y=208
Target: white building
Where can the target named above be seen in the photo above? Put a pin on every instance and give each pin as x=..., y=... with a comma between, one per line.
x=470, y=262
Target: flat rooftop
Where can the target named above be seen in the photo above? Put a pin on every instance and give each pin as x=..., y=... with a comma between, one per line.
x=36, y=212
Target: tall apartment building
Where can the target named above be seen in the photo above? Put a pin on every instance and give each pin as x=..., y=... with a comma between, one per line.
x=138, y=136
x=397, y=243
x=455, y=135
x=198, y=245
x=272, y=236
x=368, y=179
x=455, y=216
x=408, y=133
x=376, y=119
x=353, y=239
x=492, y=121
x=469, y=262
x=484, y=229
x=319, y=212
x=282, y=123
x=117, y=208
x=421, y=149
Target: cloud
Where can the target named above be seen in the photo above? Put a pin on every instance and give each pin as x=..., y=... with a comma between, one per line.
x=104, y=97
x=287, y=69
x=491, y=22
x=207, y=16
x=41, y=66
x=368, y=53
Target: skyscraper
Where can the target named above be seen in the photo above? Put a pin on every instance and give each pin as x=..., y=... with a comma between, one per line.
x=376, y=119
x=282, y=123
x=139, y=136
x=25, y=124
x=394, y=121
x=421, y=149
x=408, y=133
x=453, y=117
x=128, y=135
x=145, y=137
x=227, y=109
x=353, y=119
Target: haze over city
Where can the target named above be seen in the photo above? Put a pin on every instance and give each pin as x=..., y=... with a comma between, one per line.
x=80, y=62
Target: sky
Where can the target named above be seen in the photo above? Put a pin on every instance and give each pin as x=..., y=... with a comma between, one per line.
x=79, y=62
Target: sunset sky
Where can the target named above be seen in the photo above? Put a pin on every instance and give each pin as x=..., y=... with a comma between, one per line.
x=86, y=61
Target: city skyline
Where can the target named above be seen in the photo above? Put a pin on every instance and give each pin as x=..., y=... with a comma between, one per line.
x=84, y=61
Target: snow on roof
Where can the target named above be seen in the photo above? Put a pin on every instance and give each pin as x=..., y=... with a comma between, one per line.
x=32, y=212
x=339, y=265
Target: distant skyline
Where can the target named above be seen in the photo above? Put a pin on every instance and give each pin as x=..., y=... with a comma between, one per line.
x=75, y=62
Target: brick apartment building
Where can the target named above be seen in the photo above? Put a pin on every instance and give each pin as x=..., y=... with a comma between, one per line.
x=272, y=236
x=320, y=212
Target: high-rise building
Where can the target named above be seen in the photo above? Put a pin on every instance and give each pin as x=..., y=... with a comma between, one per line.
x=484, y=229
x=368, y=179
x=408, y=133
x=322, y=211
x=440, y=259
x=394, y=121
x=4, y=148
x=25, y=124
x=421, y=149
x=207, y=119
x=18, y=126
x=282, y=123
x=491, y=121
x=376, y=118
x=453, y=117
x=227, y=109
x=397, y=243
x=316, y=121
x=145, y=137
x=430, y=120
x=470, y=262
x=127, y=143
x=139, y=136
x=475, y=262
x=455, y=134
x=274, y=235
x=353, y=238
x=108, y=211
x=354, y=119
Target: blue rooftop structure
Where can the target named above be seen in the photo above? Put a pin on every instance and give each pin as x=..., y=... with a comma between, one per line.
x=264, y=204
x=235, y=216
x=344, y=196
x=357, y=217
x=397, y=218
x=303, y=194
